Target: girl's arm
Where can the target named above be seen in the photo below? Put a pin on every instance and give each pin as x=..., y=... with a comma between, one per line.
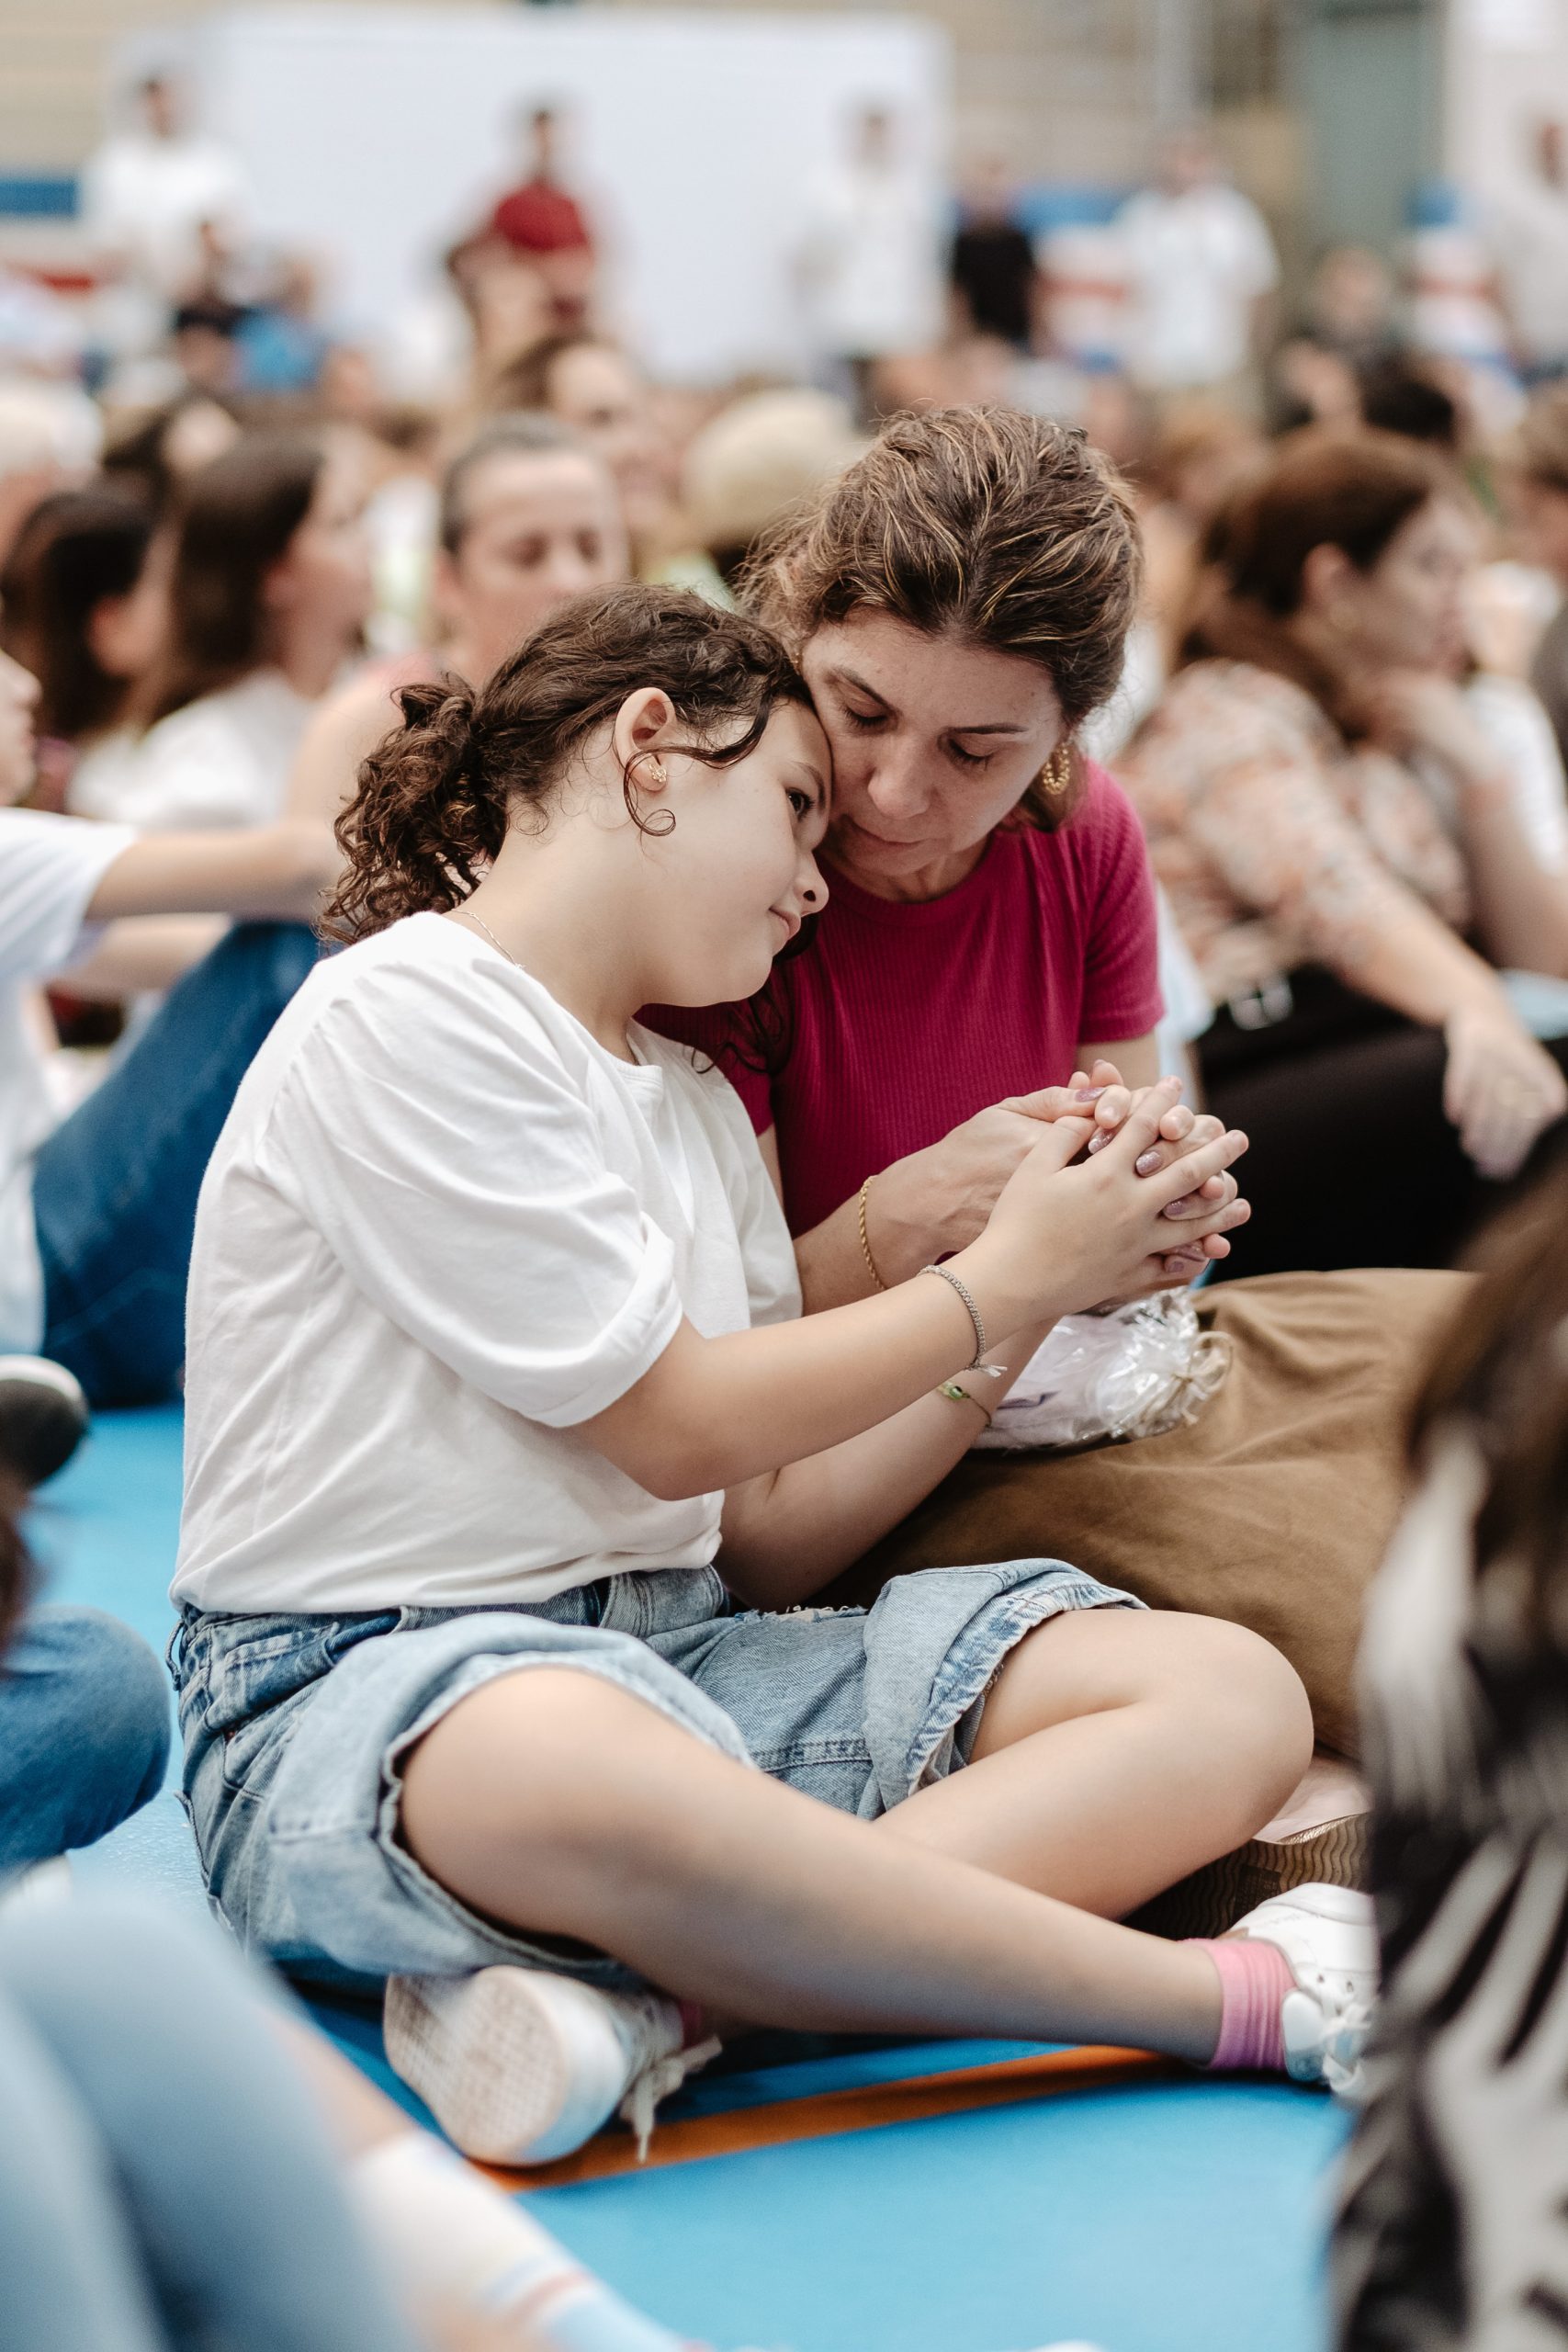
x=281, y=872
x=713, y=1413
x=790, y=1533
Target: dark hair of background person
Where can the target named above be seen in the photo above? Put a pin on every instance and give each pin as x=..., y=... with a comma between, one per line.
x=436, y=799
x=235, y=518
x=138, y=454
x=524, y=382
x=1503, y=1372
x=77, y=549
x=1398, y=395
x=997, y=529
x=519, y=433
x=1325, y=487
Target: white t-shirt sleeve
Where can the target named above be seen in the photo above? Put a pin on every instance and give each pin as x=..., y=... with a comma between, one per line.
x=49, y=868
x=475, y=1209
x=773, y=1277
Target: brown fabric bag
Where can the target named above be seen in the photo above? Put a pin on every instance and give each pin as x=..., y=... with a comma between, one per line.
x=1273, y=1508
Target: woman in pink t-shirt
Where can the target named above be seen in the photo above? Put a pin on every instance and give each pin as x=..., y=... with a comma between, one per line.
x=959, y=601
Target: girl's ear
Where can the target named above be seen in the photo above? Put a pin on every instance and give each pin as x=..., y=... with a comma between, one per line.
x=277, y=589
x=644, y=725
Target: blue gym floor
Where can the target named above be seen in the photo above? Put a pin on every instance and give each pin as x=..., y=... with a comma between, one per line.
x=1143, y=2217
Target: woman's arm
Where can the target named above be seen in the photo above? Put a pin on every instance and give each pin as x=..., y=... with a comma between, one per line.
x=1522, y=905
x=281, y=872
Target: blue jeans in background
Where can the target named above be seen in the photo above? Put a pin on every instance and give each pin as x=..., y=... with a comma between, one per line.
x=115, y=1187
x=166, y=2182
x=83, y=1733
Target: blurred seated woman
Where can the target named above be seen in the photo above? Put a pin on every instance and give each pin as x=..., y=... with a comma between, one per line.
x=268, y=591
x=1288, y=785
x=82, y=609
x=528, y=518
x=989, y=931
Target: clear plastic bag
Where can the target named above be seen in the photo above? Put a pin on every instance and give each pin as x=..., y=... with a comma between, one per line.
x=1134, y=1371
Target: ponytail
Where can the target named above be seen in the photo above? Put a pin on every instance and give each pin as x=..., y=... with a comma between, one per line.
x=425, y=821
x=436, y=799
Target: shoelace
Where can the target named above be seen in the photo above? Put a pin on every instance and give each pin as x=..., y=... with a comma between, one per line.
x=657, y=2082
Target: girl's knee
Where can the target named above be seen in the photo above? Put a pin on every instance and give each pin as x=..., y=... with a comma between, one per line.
x=1252, y=1699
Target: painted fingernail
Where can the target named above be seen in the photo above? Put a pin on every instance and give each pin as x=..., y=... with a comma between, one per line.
x=1185, y=1206
x=1147, y=1162
x=1100, y=1138
x=1087, y=1093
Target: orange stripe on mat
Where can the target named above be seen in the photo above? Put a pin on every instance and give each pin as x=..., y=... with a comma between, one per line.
x=832, y=2113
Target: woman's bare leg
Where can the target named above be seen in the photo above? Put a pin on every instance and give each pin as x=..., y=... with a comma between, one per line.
x=552, y=1801
x=1117, y=1752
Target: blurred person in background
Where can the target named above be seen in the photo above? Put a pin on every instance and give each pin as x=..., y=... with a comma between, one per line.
x=153, y=451
x=51, y=436
x=1347, y=326
x=598, y=393
x=1539, y=486
x=269, y=588
x=546, y=226
x=1286, y=784
x=528, y=519
x=98, y=1208
x=870, y=258
x=1453, y=2201
x=1203, y=272
x=992, y=265
x=1528, y=218
x=757, y=460
x=1402, y=394
x=147, y=196
x=83, y=610
x=281, y=346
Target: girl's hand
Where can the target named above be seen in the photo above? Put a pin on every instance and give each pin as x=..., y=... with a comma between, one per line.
x=1182, y=1132
x=938, y=1199
x=1063, y=1237
x=1501, y=1089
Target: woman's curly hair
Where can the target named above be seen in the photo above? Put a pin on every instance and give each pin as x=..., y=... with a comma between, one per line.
x=436, y=798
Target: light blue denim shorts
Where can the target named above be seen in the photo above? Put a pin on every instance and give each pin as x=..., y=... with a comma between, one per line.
x=296, y=1729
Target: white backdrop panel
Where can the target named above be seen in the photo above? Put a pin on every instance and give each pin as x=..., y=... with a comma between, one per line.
x=375, y=137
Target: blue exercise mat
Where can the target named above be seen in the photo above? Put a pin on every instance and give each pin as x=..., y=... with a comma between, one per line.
x=1140, y=2217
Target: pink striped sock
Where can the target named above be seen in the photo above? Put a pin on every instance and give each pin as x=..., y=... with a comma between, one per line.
x=1254, y=1977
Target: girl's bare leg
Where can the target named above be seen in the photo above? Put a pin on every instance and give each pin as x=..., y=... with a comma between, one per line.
x=1117, y=1752
x=552, y=1801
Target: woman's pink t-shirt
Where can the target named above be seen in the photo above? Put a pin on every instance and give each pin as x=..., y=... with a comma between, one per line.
x=904, y=1020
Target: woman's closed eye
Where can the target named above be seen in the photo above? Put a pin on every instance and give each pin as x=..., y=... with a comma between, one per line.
x=866, y=718
x=970, y=759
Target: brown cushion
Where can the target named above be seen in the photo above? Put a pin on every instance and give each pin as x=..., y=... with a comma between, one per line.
x=1273, y=1508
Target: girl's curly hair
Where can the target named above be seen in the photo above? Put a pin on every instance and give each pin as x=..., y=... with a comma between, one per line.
x=436, y=797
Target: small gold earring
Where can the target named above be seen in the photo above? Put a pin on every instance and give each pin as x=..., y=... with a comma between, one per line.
x=1057, y=773
x=655, y=775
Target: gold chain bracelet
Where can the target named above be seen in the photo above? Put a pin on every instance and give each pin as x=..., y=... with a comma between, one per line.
x=865, y=1239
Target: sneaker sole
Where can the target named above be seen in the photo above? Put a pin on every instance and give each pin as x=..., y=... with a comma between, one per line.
x=487, y=2060
x=1212, y=1899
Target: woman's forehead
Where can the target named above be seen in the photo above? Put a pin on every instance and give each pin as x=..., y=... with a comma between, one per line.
x=952, y=683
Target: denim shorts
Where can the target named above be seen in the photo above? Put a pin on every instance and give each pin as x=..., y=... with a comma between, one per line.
x=296, y=1729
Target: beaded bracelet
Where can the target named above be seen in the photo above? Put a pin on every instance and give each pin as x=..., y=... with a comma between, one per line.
x=991, y=1370
x=962, y=1395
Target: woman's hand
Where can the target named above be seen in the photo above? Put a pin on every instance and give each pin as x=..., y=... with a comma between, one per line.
x=1417, y=711
x=1501, y=1089
x=1063, y=1238
x=1182, y=1132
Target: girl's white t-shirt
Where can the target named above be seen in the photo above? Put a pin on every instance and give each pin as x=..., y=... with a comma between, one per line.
x=441, y=1226
x=49, y=868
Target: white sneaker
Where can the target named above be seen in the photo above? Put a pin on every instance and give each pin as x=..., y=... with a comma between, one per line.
x=1329, y=1937
x=519, y=2066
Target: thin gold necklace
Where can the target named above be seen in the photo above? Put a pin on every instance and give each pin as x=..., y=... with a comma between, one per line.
x=467, y=914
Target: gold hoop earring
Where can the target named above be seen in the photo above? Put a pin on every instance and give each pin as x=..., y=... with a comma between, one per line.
x=1056, y=774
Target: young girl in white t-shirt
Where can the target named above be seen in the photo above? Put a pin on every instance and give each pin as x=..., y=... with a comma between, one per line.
x=508, y=1448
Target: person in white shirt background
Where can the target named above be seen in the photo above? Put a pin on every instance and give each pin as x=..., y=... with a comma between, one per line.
x=1202, y=268
x=269, y=591
x=146, y=197
x=871, y=259
x=96, y=1212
